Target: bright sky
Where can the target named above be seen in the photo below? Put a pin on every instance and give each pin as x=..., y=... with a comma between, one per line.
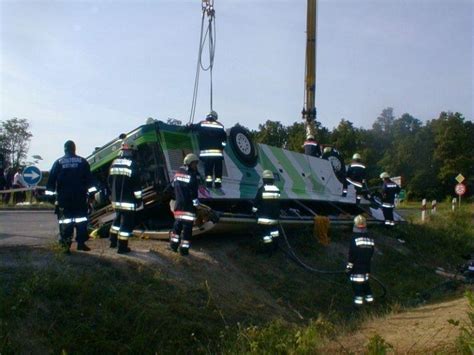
x=89, y=70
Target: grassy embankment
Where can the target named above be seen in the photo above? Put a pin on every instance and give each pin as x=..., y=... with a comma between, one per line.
x=235, y=302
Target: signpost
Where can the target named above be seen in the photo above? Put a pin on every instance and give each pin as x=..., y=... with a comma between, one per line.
x=32, y=175
x=460, y=190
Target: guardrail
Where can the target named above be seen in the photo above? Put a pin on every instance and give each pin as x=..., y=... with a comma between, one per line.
x=32, y=188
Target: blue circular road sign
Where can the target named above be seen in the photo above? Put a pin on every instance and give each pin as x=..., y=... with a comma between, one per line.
x=32, y=175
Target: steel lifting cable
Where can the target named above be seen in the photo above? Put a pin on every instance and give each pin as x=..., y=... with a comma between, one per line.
x=208, y=35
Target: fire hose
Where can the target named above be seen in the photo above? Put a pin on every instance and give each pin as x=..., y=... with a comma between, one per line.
x=292, y=255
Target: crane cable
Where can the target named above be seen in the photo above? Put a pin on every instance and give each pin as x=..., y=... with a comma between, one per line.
x=209, y=34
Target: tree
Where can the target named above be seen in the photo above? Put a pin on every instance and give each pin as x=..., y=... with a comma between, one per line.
x=272, y=133
x=296, y=136
x=385, y=121
x=345, y=139
x=404, y=155
x=454, y=147
x=14, y=140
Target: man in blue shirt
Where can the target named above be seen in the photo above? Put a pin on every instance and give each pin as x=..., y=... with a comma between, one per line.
x=70, y=180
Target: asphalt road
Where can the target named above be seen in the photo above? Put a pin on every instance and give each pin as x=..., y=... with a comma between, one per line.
x=27, y=228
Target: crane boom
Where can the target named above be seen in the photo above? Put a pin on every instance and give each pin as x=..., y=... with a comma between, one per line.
x=309, y=109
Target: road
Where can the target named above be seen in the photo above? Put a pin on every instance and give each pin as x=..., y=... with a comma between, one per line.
x=32, y=228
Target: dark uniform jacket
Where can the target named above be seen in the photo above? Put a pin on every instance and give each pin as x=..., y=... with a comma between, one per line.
x=356, y=174
x=186, y=186
x=71, y=178
x=389, y=190
x=312, y=148
x=360, y=253
x=124, y=183
x=267, y=203
x=212, y=138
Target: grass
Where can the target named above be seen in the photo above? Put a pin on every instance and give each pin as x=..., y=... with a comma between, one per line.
x=101, y=308
x=86, y=304
x=465, y=342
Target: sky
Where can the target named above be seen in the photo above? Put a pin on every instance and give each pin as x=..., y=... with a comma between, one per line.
x=90, y=70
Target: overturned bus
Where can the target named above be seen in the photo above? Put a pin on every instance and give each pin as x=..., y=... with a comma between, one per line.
x=309, y=186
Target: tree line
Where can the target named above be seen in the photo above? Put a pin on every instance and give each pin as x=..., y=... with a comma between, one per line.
x=427, y=155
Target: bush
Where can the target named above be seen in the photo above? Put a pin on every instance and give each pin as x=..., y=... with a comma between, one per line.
x=378, y=346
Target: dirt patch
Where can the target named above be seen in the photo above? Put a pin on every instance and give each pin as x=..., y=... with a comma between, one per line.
x=418, y=331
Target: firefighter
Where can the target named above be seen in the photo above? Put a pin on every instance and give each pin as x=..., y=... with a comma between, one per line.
x=356, y=176
x=389, y=190
x=126, y=196
x=212, y=141
x=267, y=208
x=358, y=266
x=311, y=147
x=186, y=183
x=70, y=180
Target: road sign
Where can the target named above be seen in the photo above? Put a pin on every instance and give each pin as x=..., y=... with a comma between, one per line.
x=32, y=175
x=459, y=178
x=460, y=189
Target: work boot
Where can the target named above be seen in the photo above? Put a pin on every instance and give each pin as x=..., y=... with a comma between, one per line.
x=83, y=247
x=358, y=301
x=123, y=247
x=174, y=242
x=113, y=242
x=184, y=247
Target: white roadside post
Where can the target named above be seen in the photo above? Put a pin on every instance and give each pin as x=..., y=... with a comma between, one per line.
x=423, y=210
x=433, y=207
x=453, y=204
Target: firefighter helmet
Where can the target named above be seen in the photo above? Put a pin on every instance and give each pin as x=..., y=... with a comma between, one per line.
x=384, y=175
x=356, y=156
x=310, y=137
x=267, y=174
x=188, y=159
x=360, y=221
x=212, y=115
x=327, y=149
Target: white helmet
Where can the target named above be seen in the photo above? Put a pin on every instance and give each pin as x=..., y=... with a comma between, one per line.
x=356, y=156
x=310, y=136
x=360, y=221
x=384, y=175
x=188, y=159
x=267, y=174
x=327, y=149
x=212, y=115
